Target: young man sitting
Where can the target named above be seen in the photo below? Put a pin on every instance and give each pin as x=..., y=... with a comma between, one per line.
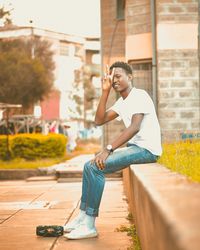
x=141, y=134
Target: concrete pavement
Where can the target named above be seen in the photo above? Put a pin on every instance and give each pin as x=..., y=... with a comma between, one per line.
x=24, y=205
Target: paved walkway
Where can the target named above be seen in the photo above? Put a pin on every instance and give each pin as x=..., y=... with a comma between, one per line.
x=24, y=205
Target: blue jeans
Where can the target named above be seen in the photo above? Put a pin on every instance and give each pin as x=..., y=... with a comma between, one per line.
x=94, y=179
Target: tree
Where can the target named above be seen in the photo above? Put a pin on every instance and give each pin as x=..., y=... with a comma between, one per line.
x=25, y=78
x=85, y=102
x=5, y=16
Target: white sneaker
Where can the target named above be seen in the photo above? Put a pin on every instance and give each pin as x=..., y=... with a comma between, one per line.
x=72, y=225
x=82, y=232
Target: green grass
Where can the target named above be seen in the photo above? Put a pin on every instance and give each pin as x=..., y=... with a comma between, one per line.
x=182, y=157
x=132, y=232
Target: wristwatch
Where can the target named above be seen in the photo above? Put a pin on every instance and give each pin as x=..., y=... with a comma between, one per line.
x=109, y=148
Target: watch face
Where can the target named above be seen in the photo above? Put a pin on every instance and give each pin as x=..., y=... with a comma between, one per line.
x=109, y=147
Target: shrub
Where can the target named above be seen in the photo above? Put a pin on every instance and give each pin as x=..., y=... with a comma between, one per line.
x=35, y=146
x=3, y=147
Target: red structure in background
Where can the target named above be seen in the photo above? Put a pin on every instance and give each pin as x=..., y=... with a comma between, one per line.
x=50, y=106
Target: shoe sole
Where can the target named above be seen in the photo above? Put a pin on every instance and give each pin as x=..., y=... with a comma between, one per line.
x=68, y=230
x=81, y=237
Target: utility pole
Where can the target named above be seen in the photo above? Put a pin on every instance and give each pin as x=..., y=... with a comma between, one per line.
x=32, y=40
x=8, y=155
x=7, y=107
x=199, y=54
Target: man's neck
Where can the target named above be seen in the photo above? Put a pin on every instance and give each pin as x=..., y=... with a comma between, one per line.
x=126, y=92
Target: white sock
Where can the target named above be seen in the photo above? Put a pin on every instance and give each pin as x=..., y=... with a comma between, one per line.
x=89, y=221
x=81, y=215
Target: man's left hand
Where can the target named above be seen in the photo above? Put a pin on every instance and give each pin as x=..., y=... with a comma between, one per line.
x=100, y=159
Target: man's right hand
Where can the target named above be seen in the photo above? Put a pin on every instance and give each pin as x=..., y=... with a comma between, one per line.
x=102, y=116
x=107, y=79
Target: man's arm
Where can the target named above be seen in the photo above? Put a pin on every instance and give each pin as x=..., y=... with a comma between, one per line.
x=125, y=136
x=129, y=132
x=102, y=116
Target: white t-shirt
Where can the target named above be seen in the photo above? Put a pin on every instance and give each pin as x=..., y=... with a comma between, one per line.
x=137, y=102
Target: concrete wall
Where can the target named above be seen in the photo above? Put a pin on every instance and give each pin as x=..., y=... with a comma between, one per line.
x=165, y=206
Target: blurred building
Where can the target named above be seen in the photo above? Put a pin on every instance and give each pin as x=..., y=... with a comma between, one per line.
x=71, y=56
x=92, y=81
x=160, y=41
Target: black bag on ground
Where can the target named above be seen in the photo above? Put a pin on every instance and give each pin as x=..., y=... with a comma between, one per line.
x=49, y=231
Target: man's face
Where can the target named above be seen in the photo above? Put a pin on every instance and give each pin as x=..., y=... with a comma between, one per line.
x=120, y=80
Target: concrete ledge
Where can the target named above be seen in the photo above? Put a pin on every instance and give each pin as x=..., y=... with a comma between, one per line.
x=166, y=207
x=20, y=174
x=68, y=173
x=17, y=174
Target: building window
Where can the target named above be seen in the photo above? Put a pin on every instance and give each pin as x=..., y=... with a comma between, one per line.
x=64, y=49
x=120, y=9
x=96, y=59
x=79, y=52
x=142, y=76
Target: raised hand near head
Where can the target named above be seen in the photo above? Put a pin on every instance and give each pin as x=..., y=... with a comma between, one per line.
x=107, y=79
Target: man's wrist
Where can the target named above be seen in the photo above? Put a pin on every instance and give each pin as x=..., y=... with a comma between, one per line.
x=109, y=148
x=105, y=92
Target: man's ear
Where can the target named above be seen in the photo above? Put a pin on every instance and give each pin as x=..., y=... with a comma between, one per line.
x=130, y=77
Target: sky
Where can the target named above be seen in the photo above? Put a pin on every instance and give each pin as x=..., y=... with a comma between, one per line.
x=76, y=17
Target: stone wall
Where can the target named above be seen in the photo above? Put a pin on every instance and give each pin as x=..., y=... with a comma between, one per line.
x=113, y=40
x=178, y=88
x=177, y=11
x=138, y=17
x=112, y=33
x=112, y=49
x=178, y=67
